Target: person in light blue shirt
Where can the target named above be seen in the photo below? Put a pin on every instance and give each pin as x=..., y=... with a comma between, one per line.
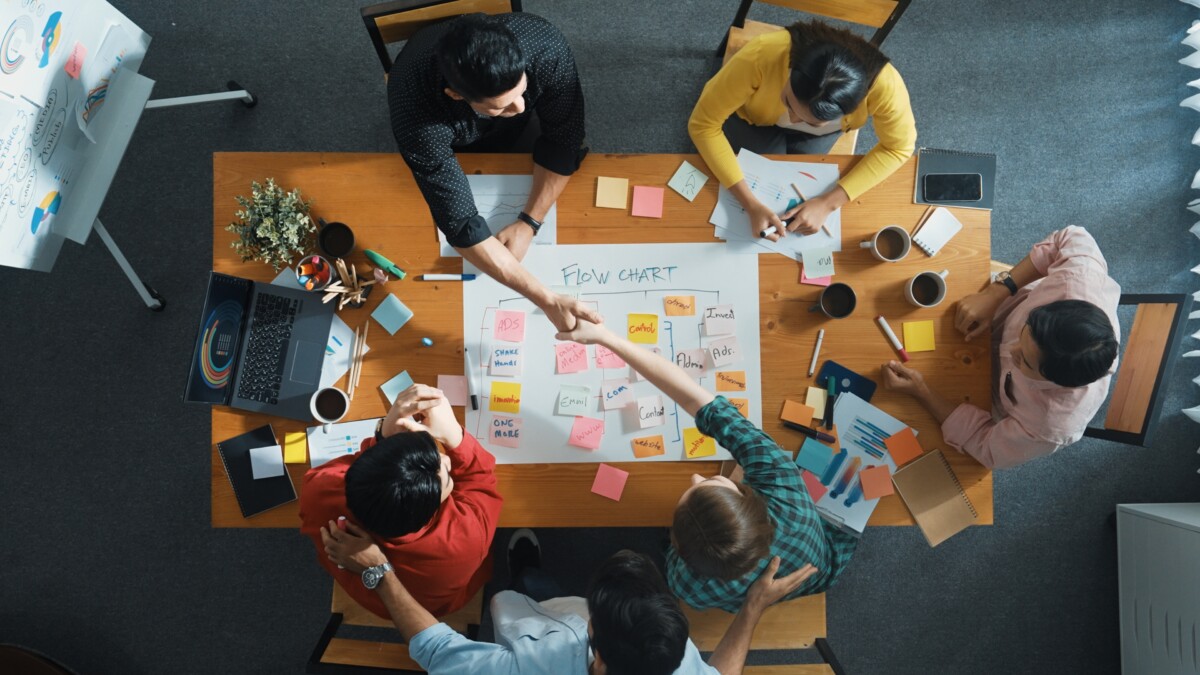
x=629, y=623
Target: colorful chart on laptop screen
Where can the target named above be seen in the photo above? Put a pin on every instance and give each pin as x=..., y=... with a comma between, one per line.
x=218, y=344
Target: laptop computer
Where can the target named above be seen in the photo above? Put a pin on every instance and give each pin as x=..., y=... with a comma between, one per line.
x=260, y=347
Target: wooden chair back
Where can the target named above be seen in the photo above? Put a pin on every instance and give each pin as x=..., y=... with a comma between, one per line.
x=391, y=22
x=881, y=15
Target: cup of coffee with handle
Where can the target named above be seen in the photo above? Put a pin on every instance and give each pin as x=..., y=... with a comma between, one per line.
x=927, y=289
x=890, y=244
x=837, y=301
x=329, y=405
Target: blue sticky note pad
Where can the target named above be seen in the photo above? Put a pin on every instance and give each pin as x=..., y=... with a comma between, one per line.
x=392, y=314
x=814, y=456
x=393, y=387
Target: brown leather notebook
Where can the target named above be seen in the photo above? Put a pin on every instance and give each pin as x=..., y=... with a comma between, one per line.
x=934, y=496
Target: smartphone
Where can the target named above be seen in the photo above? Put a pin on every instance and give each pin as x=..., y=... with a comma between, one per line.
x=953, y=187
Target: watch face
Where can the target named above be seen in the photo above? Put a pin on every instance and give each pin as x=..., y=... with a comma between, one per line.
x=371, y=577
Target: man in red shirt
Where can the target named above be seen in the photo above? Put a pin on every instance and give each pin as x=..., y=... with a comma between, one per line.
x=433, y=515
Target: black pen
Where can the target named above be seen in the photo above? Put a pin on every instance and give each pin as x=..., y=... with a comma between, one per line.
x=810, y=432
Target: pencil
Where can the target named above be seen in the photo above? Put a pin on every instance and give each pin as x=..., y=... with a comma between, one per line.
x=812, y=365
x=924, y=217
x=804, y=199
x=353, y=363
x=362, y=353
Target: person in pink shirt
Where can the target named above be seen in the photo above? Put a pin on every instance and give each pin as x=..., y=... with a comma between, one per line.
x=1054, y=350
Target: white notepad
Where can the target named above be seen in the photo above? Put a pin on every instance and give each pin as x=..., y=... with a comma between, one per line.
x=937, y=230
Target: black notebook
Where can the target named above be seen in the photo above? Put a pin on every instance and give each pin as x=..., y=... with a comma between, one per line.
x=254, y=496
x=932, y=160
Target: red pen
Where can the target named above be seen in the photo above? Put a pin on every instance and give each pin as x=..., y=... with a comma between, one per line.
x=887, y=330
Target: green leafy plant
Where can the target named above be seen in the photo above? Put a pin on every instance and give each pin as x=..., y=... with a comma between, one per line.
x=273, y=226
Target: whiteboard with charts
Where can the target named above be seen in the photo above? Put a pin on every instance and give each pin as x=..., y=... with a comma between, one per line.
x=542, y=400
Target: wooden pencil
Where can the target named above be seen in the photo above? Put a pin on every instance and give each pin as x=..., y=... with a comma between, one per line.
x=362, y=353
x=803, y=199
x=924, y=217
x=353, y=365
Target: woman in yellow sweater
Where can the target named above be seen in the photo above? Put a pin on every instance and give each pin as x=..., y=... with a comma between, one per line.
x=794, y=91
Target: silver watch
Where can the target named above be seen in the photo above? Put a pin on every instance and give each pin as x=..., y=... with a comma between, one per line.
x=373, y=575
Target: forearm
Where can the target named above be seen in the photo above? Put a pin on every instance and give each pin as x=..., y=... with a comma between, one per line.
x=408, y=615
x=547, y=186
x=935, y=403
x=729, y=657
x=1025, y=272
x=668, y=377
x=496, y=261
x=741, y=191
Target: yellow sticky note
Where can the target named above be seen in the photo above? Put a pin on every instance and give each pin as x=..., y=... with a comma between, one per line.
x=680, y=305
x=731, y=380
x=295, y=447
x=918, y=336
x=742, y=405
x=506, y=397
x=648, y=446
x=816, y=400
x=696, y=444
x=643, y=328
x=612, y=193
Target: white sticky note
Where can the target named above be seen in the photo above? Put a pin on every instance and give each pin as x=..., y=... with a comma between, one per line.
x=574, y=400
x=724, y=351
x=687, y=181
x=719, y=320
x=266, y=462
x=651, y=412
x=616, y=394
x=818, y=262
x=693, y=361
x=506, y=361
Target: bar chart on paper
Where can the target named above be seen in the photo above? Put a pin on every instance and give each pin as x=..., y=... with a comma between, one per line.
x=499, y=199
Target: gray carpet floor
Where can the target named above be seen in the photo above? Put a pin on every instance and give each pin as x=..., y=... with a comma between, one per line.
x=107, y=558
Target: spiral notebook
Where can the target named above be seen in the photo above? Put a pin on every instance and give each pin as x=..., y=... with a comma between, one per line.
x=937, y=230
x=933, y=160
x=254, y=496
x=936, y=499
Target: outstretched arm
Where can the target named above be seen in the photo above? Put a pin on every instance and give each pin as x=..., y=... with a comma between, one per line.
x=730, y=655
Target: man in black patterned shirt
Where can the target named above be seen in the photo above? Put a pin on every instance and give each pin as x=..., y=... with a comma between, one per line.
x=482, y=83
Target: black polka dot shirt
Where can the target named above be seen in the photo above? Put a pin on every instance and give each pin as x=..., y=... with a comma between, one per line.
x=428, y=124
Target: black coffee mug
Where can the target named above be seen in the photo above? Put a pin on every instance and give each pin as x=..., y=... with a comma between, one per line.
x=335, y=239
x=837, y=301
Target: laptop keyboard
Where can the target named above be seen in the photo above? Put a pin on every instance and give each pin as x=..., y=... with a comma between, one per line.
x=263, y=363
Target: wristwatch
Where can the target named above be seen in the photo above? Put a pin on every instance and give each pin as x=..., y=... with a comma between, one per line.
x=379, y=430
x=530, y=221
x=373, y=575
x=1006, y=279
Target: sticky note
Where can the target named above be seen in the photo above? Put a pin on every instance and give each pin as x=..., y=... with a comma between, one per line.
x=693, y=361
x=454, y=387
x=266, y=462
x=742, y=405
x=635, y=376
x=574, y=400
x=647, y=201
x=615, y=394
x=510, y=325
x=696, y=444
x=295, y=447
x=679, y=305
x=610, y=482
x=586, y=433
x=687, y=181
x=606, y=358
x=505, y=398
x=816, y=400
x=719, y=320
x=724, y=352
x=392, y=314
x=612, y=193
x=648, y=446
x=392, y=388
x=651, y=412
x=876, y=482
x=814, y=456
x=903, y=446
x=570, y=357
x=505, y=431
x=815, y=489
x=819, y=281
x=75, y=60
x=797, y=413
x=643, y=328
x=818, y=262
x=731, y=380
x=506, y=361
x=918, y=336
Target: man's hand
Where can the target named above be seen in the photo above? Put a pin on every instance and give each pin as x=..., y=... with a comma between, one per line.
x=588, y=333
x=974, y=312
x=564, y=312
x=762, y=217
x=808, y=217
x=351, y=548
x=423, y=408
x=904, y=380
x=769, y=589
x=516, y=238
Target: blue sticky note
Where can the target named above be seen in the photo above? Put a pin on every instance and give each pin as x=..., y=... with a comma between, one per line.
x=393, y=387
x=814, y=456
x=392, y=314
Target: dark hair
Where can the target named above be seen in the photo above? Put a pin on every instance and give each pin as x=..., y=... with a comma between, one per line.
x=1076, y=339
x=480, y=57
x=637, y=626
x=721, y=533
x=831, y=68
x=393, y=488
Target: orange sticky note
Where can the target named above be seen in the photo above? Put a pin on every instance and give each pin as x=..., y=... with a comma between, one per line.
x=903, y=446
x=586, y=433
x=731, y=380
x=797, y=413
x=648, y=446
x=647, y=201
x=610, y=482
x=505, y=398
x=696, y=444
x=742, y=405
x=643, y=329
x=876, y=482
x=679, y=305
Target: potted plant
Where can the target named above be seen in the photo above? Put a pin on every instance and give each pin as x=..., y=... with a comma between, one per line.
x=273, y=226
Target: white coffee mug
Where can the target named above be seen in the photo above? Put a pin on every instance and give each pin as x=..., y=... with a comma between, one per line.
x=930, y=288
x=328, y=406
x=894, y=236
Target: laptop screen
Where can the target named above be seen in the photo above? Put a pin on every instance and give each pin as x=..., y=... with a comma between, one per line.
x=214, y=360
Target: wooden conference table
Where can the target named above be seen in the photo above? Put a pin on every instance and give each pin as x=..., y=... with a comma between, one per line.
x=375, y=194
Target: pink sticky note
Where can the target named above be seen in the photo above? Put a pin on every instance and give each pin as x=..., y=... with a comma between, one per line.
x=454, y=387
x=571, y=357
x=819, y=281
x=505, y=431
x=647, y=201
x=815, y=489
x=605, y=358
x=610, y=482
x=615, y=394
x=510, y=325
x=586, y=433
x=75, y=60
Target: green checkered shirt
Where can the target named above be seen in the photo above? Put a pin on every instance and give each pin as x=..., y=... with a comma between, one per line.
x=801, y=535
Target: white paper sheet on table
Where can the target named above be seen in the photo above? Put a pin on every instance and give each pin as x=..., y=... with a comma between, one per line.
x=499, y=199
x=344, y=438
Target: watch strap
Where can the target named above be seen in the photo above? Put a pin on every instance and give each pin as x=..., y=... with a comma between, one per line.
x=1008, y=282
x=530, y=221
